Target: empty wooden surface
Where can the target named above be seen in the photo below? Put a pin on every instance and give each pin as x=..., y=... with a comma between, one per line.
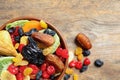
x=98, y=19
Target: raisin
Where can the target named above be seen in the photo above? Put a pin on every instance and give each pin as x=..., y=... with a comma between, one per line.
x=86, y=53
x=50, y=32
x=11, y=30
x=20, y=31
x=39, y=74
x=98, y=63
x=84, y=68
x=17, y=38
x=30, y=32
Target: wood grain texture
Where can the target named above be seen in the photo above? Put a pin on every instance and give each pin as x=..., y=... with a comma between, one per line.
x=98, y=19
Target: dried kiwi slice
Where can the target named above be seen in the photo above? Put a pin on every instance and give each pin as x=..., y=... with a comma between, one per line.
x=4, y=63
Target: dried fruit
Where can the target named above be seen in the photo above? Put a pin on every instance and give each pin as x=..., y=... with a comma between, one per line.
x=24, y=40
x=75, y=77
x=20, y=47
x=19, y=76
x=84, y=68
x=43, y=67
x=43, y=24
x=98, y=63
x=34, y=67
x=12, y=69
x=69, y=71
x=50, y=70
x=86, y=61
x=84, y=41
x=27, y=71
x=78, y=51
x=38, y=75
x=55, y=61
x=45, y=75
x=45, y=39
x=86, y=53
x=66, y=77
x=78, y=65
x=80, y=57
x=72, y=63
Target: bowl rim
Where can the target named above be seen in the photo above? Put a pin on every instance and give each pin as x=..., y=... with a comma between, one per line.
x=50, y=26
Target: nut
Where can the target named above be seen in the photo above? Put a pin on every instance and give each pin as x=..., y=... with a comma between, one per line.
x=54, y=60
x=45, y=39
x=84, y=41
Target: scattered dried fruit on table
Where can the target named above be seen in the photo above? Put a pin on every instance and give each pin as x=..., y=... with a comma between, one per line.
x=75, y=77
x=78, y=51
x=69, y=71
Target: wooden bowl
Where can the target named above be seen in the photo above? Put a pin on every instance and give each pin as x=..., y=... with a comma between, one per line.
x=51, y=27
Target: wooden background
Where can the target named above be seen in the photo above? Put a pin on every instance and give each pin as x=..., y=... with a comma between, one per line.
x=98, y=19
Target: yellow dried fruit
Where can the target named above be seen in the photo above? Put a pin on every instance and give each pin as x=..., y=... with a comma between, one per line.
x=75, y=77
x=24, y=40
x=43, y=24
x=78, y=51
x=21, y=63
x=69, y=71
x=27, y=71
x=80, y=57
x=18, y=58
x=16, y=45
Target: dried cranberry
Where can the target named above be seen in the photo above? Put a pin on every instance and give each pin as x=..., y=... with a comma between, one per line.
x=43, y=66
x=86, y=61
x=45, y=75
x=34, y=67
x=19, y=76
x=78, y=65
x=50, y=70
x=22, y=68
x=20, y=47
x=13, y=69
x=72, y=63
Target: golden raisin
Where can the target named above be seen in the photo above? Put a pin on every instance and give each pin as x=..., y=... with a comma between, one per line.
x=43, y=24
x=27, y=71
x=78, y=51
x=69, y=71
x=75, y=77
x=80, y=57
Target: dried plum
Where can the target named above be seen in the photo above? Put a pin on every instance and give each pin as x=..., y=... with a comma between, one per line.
x=32, y=53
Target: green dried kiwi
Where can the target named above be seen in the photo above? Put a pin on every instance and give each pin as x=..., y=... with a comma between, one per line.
x=16, y=23
x=4, y=63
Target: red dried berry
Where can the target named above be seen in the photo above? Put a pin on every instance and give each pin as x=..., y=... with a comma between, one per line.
x=22, y=68
x=34, y=67
x=20, y=47
x=86, y=61
x=13, y=69
x=78, y=65
x=72, y=64
x=13, y=40
x=50, y=70
x=16, y=31
x=19, y=76
x=58, y=51
x=65, y=53
x=43, y=66
x=45, y=75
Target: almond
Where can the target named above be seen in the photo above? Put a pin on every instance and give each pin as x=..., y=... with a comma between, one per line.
x=84, y=41
x=45, y=39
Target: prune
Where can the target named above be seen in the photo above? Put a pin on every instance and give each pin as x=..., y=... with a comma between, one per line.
x=98, y=63
x=86, y=52
x=11, y=30
x=20, y=31
x=50, y=32
x=32, y=53
x=84, y=68
x=30, y=32
x=39, y=74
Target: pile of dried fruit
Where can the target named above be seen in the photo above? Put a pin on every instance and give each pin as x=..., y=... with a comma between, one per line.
x=36, y=51
x=81, y=52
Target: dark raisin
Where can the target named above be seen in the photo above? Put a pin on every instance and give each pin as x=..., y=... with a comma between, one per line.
x=98, y=63
x=86, y=52
x=54, y=76
x=17, y=38
x=30, y=32
x=84, y=68
x=11, y=30
x=39, y=74
x=20, y=31
x=66, y=77
x=50, y=32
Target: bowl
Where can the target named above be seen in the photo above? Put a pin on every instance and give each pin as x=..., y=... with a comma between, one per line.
x=62, y=41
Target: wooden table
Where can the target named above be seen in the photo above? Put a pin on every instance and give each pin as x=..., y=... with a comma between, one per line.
x=98, y=19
